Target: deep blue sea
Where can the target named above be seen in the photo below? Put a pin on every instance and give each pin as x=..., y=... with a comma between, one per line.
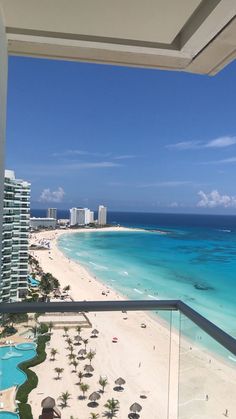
x=195, y=260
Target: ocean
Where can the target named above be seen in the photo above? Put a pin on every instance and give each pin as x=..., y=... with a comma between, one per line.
x=194, y=261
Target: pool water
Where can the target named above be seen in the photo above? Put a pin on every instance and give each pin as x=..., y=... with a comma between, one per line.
x=10, y=374
x=25, y=346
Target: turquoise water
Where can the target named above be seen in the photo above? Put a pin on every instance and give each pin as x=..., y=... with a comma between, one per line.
x=10, y=374
x=196, y=265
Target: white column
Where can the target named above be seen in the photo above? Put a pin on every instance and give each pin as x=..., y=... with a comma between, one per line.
x=3, y=95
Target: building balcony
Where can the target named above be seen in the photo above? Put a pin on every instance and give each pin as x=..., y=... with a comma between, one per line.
x=174, y=363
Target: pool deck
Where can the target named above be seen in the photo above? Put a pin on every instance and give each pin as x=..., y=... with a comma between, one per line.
x=7, y=397
x=12, y=340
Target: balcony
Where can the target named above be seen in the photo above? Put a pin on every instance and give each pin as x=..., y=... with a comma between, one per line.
x=174, y=363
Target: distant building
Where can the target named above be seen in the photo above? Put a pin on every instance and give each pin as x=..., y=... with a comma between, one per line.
x=42, y=222
x=52, y=213
x=16, y=213
x=91, y=216
x=102, y=215
x=81, y=216
x=63, y=222
x=73, y=216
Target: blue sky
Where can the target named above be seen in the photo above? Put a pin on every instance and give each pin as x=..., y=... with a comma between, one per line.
x=132, y=139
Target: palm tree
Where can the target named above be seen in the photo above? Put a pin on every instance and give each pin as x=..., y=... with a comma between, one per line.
x=112, y=405
x=75, y=365
x=72, y=357
x=53, y=353
x=46, y=284
x=90, y=355
x=59, y=371
x=50, y=326
x=34, y=330
x=69, y=341
x=71, y=348
x=103, y=382
x=78, y=329
x=80, y=376
x=66, y=330
x=64, y=398
x=84, y=388
x=94, y=415
x=85, y=343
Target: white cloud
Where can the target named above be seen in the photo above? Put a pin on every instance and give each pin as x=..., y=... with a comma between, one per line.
x=167, y=184
x=124, y=156
x=185, y=145
x=221, y=161
x=75, y=152
x=52, y=196
x=219, y=142
x=215, y=199
x=94, y=165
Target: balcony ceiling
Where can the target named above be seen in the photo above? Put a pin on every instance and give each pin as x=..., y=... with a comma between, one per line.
x=190, y=35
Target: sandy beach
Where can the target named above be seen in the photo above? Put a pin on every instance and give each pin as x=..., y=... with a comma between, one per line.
x=141, y=356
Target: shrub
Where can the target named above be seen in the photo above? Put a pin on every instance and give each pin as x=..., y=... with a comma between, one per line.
x=8, y=331
x=43, y=328
x=32, y=379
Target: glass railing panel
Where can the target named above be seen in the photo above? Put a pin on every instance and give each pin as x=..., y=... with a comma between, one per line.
x=207, y=376
x=137, y=347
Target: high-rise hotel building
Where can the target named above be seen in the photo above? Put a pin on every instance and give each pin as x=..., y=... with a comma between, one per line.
x=52, y=213
x=102, y=215
x=16, y=215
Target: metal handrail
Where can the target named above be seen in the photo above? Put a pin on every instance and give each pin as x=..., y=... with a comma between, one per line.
x=223, y=338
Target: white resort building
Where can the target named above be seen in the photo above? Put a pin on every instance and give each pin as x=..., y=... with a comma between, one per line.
x=42, y=222
x=81, y=216
x=52, y=213
x=16, y=215
x=102, y=215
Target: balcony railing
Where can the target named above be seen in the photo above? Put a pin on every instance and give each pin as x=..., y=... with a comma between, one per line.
x=176, y=363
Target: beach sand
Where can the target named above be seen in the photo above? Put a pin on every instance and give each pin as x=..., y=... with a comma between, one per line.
x=207, y=386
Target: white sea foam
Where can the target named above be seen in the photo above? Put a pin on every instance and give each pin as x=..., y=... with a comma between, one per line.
x=138, y=291
x=232, y=358
x=152, y=296
x=67, y=248
x=100, y=267
x=225, y=231
x=124, y=273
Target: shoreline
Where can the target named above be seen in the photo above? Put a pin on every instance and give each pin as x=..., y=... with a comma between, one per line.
x=154, y=369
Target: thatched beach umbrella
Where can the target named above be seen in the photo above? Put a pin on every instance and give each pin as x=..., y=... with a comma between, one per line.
x=95, y=332
x=48, y=403
x=82, y=352
x=120, y=381
x=78, y=338
x=135, y=407
x=88, y=368
x=94, y=396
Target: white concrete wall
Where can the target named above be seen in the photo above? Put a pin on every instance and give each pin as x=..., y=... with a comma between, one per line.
x=3, y=94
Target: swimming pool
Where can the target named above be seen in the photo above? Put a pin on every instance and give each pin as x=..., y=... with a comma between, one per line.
x=25, y=346
x=10, y=358
x=10, y=374
x=8, y=415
